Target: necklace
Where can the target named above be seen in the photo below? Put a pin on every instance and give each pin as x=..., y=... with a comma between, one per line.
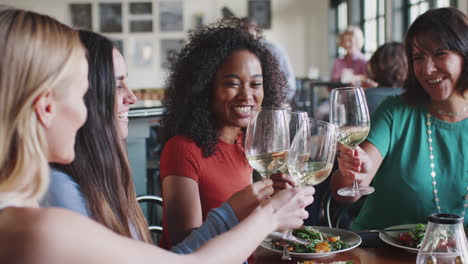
x=452, y=113
x=433, y=173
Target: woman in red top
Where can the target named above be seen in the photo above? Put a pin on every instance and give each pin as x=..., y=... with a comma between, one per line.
x=215, y=81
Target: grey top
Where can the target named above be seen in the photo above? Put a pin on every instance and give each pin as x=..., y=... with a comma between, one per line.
x=64, y=192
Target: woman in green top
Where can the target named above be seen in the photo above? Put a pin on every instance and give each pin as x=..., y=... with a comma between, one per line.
x=416, y=154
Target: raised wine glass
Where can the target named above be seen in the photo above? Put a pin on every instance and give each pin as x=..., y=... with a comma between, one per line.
x=311, y=155
x=348, y=110
x=312, y=152
x=294, y=120
x=267, y=140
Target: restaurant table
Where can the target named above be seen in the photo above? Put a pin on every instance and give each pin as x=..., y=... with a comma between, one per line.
x=359, y=255
x=364, y=254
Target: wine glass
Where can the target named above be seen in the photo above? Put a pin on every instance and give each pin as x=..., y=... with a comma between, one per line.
x=312, y=152
x=348, y=110
x=311, y=155
x=267, y=140
x=294, y=119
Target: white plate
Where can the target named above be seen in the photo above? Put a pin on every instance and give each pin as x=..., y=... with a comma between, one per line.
x=349, y=237
x=391, y=238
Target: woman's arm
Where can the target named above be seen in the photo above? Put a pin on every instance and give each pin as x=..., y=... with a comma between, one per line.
x=229, y=214
x=60, y=236
x=183, y=206
x=360, y=164
x=218, y=221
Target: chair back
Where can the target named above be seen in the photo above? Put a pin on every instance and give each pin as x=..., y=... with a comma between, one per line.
x=152, y=208
x=340, y=215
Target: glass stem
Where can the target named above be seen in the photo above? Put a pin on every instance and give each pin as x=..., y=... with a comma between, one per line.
x=355, y=185
x=355, y=182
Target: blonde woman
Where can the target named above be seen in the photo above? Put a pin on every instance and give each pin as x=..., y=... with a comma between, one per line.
x=43, y=79
x=352, y=67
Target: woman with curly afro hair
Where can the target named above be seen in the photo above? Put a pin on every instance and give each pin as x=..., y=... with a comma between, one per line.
x=214, y=82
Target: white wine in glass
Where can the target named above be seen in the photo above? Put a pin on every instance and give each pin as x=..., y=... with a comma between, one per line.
x=348, y=110
x=269, y=163
x=312, y=152
x=267, y=140
x=294, y=119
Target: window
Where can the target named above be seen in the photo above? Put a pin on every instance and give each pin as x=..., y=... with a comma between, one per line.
x=338, y=21
x=406, y=11
x=416, y=8
x=342, y=22
x=374, y=25
x=342, y=12
x=443, y=3
x=398, y=20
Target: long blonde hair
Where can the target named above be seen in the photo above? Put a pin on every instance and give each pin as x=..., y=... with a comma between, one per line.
x=37, y=54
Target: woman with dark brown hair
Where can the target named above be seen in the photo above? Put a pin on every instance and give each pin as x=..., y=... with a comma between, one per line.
x=416, y=152
x=388, y=67
x=98, y=183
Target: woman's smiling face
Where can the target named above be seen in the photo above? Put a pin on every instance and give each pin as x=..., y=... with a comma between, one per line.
x=237, y=88
x=438, y=70
x=124, y=95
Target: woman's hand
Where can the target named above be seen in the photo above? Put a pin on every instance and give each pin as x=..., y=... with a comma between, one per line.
x=246, y=200
x=359, y=164
x=282, y=181
x=353, y=164
x=289, y=205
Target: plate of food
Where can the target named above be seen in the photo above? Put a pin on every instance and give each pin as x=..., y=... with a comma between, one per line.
x=324, y=241
x=410, y=240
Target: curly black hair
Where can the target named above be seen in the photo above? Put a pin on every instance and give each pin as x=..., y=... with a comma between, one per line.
x=189, y=87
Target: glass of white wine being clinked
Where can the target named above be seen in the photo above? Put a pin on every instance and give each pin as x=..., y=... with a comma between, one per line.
x=267, y=140
x=312, y=152
x=349, y=111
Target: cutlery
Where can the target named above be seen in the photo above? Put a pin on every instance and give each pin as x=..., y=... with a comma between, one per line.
x=285, y=255
x=294, y=239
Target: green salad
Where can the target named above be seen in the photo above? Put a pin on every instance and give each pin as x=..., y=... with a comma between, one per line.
x=319, y=242
x=413, y=237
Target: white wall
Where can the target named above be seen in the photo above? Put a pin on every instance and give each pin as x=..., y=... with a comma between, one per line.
x=463, y=5
x=299, y=26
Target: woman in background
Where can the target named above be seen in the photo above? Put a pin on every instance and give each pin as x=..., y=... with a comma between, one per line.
x=388, y=68
x=352, y=68
x=43, y=81
x=215, y=81
x=415, y=153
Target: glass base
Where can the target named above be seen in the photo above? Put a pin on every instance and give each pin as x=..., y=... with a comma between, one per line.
x=353, y=192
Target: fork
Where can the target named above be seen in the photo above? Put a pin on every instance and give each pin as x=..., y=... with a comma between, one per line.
x=285, y=255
